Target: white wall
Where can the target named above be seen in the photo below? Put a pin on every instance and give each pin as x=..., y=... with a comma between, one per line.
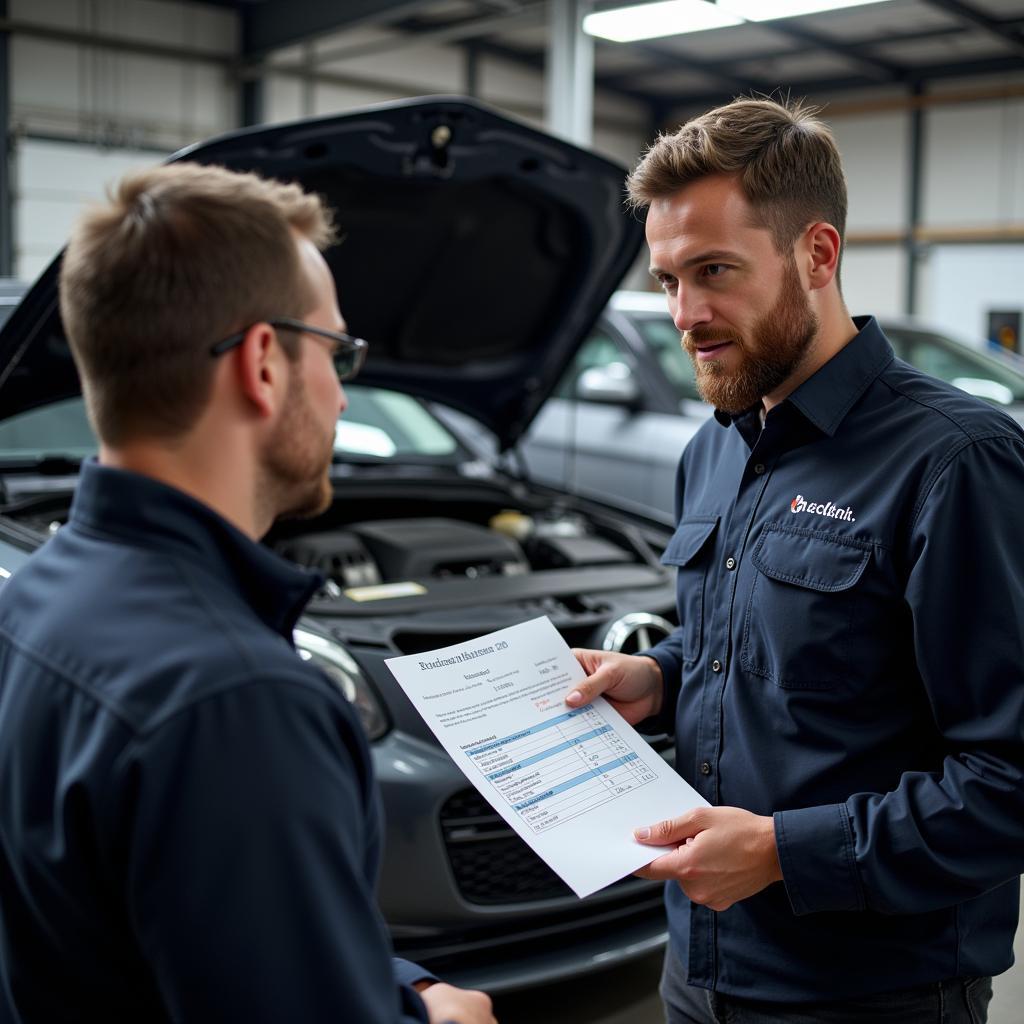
x=53, y=181
x=116, y=109
x=875, y=151
x=873, y=279
x=966, y=282
x=975, y=159
x=119, y=98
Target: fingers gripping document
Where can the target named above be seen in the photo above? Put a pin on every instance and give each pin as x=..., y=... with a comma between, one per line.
x=572, y=782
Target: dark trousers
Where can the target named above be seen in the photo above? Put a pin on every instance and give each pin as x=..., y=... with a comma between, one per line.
x=958, y=1001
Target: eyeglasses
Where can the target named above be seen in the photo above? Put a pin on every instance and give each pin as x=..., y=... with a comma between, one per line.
x=347, y=353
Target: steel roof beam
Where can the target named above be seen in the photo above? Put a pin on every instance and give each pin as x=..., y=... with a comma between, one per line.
x=875, y=67
x=271, y=26
x=418, y=31
x=535, y=62
x=728, y=66
x=922, y=74
x=1003, y=31
x=720, y=69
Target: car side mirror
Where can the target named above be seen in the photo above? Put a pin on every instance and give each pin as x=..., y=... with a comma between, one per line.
x=613, y=384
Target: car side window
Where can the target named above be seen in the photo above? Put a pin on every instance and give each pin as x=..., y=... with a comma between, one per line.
x=969, y=370
x=599, y=350
x=663, y=340
x=941, y=363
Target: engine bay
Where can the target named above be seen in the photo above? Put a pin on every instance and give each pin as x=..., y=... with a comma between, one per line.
x=511, y=544
x=408, y=559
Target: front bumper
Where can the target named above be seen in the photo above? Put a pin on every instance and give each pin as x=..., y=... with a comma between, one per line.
x=512, y=928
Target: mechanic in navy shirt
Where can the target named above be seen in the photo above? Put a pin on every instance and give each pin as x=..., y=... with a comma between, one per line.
x=189, y=826
x=846, y=683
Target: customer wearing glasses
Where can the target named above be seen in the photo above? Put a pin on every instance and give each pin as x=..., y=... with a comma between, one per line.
x=189, y=824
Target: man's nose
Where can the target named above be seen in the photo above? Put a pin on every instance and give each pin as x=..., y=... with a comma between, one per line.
x=342, y=399
x=689, y=310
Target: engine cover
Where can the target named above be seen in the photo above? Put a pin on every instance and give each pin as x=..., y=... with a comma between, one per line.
x=425, y=548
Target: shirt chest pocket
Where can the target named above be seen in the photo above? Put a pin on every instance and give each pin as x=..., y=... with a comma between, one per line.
x=690, y=551
x=799, y=626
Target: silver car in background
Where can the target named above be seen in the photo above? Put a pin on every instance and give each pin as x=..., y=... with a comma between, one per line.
x=628, y=404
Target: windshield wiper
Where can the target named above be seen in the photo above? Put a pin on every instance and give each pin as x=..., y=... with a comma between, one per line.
x=44, y=465
x=33, y=466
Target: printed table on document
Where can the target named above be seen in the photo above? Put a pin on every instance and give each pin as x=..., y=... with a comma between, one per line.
x=561, y=769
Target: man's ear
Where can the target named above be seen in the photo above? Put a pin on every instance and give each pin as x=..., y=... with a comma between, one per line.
x=260, y=370
x=821, y=245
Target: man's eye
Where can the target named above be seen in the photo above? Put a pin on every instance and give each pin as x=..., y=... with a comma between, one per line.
x=715, y=269
x=666, y=281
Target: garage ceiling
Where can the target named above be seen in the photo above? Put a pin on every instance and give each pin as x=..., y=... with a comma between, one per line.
x=900, y=42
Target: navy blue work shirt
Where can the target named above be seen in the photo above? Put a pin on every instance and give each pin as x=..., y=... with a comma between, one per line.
x=189, y=827
x=850, y=660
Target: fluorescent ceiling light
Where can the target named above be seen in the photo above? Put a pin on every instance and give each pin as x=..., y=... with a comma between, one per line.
x=648, y=21
x=766, y=10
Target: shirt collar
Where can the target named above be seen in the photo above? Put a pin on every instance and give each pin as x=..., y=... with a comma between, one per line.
x=828, y=394
x=120, y=503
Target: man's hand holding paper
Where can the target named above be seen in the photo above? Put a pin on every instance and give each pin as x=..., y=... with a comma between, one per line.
x=632, y=685
x=720, y=855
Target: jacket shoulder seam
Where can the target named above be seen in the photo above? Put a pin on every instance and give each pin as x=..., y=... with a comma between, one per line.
x=67, y=677
x=944, y=463
x=260, y=677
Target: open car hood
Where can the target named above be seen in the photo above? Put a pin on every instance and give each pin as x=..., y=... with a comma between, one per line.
x=477, y=252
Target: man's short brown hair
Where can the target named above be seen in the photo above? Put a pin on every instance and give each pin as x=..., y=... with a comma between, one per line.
x=783, y=157
x=178, y=257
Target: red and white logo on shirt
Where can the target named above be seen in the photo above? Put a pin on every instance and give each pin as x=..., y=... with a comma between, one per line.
x=829, y=509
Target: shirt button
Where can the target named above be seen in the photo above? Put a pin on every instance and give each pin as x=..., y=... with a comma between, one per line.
x=716, y=666
x=759, y=468
x=730, y=563
x=705, y=768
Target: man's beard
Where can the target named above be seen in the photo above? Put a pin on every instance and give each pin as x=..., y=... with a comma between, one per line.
x=770, y=354
x=297, y=461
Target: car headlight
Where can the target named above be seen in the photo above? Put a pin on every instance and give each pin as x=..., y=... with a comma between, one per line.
x=340, y=667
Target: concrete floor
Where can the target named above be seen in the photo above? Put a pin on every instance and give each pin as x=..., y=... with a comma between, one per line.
x=629, y=995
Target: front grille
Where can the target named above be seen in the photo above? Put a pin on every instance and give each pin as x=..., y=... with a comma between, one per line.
x=637, y=911
x=491, y=863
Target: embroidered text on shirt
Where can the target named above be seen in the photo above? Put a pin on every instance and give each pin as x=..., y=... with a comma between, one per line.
x=829, y=509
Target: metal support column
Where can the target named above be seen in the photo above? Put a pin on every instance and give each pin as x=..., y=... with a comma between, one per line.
x=569, y=74
x=309, y=80
x=6, y=204
x=252, y=102
x=472, y=70
x=252, y=92
x=914, y=185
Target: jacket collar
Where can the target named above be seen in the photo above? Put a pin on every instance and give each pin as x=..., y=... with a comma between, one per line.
x=127, y=506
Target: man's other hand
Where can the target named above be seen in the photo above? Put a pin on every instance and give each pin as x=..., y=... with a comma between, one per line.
x=447, y=1004
x=722, y=855
x=633, y=685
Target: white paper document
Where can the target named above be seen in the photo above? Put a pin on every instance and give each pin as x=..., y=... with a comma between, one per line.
x=572, y=782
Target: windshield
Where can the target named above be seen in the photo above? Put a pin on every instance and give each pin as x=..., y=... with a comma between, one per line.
x=378, y=423
x=388, y=424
